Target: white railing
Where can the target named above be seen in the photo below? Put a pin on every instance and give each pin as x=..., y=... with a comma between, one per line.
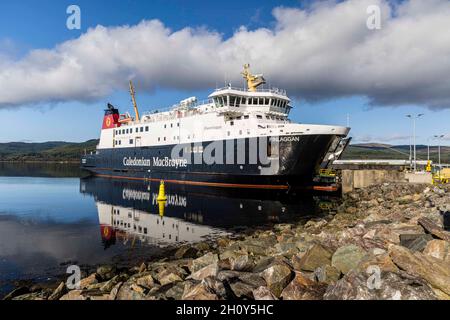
x=272, y=90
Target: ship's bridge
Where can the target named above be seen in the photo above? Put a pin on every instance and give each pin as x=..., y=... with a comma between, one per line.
x=235, y=101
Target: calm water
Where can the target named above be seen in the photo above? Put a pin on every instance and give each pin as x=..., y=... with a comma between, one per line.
x=50, y=217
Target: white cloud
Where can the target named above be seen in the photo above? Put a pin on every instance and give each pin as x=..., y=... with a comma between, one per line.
x=322, y=52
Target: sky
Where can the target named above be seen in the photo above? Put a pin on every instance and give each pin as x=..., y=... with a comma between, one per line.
x=55, y=82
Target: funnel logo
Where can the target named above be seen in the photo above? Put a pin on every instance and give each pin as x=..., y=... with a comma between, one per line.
x=109, y=121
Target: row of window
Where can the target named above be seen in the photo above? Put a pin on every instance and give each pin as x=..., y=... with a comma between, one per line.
x=140, y=229
x=139, y=129
x=235, y=101
x=130, y=130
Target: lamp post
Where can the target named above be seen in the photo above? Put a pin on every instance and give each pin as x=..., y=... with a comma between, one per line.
x=413, y=118
x=439, y=137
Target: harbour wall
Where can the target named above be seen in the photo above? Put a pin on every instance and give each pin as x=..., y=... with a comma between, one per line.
x=363, y=178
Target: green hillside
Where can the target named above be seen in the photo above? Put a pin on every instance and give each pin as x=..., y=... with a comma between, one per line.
x=46, y=151
x=378, y=151
x=69, y=151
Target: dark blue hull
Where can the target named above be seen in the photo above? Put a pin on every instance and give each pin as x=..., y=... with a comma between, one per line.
x=298, y=160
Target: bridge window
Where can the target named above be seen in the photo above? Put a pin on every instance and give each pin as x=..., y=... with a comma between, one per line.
x=246, y=116
x=258, y=116
x=232, y=101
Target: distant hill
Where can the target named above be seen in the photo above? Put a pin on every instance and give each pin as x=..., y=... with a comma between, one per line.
x=45, y=151
x=71, y=151
x=385, y=151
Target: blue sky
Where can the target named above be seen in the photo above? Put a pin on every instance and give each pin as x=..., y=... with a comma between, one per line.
x=27, y=24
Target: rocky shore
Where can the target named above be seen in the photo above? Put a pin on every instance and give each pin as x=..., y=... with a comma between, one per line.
x=383, y=242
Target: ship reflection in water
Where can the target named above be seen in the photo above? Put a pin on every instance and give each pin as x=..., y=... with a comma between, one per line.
x=129, y=211
x=48, y=222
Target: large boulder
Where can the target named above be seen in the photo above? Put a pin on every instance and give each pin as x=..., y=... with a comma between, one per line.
x=435, y=271
x=88, y=281
x=58, y=292
x=357, y=285
x=277, y=277
x=200, y=291
x=327, y=274
x=74, y=295
x=415, y=242
x=130, y=291
x=302, y=288
x=203, y=261
x=382, y=261
x=208, y=271
x=186, y=251
x=235, y=260
x=263, y=293
x=146, y=281
x=347, y=258
x=317, y=256
x=439, y=249
x=106, y=272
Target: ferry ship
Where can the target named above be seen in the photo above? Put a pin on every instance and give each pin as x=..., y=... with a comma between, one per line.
x=238, y=138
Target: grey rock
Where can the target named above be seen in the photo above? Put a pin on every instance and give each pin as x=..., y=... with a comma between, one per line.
x=316, y=256
x=106, y=272
x=415, y=242
x=186, y=251
x=327, y=274
x=74, y=295
x=203, y=261
x=17, y=292
x=347, y=257
x=208, y=271
x=59, y=292
x=128, y=291
x=393, y=286
x=263, y=293
x=302, y=288
x=199, y=291
x=277, y=276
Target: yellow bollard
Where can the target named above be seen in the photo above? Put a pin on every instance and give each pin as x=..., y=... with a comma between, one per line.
x=161, y=207
x=428, y=168
x=162, y=192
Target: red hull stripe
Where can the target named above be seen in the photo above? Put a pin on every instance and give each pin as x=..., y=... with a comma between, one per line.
x=209, y=184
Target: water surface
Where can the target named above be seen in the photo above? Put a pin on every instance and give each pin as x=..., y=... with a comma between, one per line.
x=51, y=218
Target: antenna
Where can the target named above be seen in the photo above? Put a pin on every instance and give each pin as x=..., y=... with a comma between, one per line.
x=133, y=98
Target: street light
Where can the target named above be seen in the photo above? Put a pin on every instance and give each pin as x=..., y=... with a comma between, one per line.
x=428, y=148
x=439, y=137
x=413, y=118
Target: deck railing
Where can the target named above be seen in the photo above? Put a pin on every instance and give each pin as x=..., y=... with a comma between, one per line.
x=271, y=90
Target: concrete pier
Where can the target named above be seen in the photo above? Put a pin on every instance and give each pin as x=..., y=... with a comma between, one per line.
x=357, y=179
